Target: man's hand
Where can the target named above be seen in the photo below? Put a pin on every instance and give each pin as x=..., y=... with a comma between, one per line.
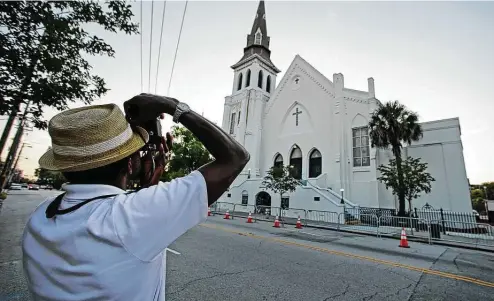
x=145, y=107
x=152, y=168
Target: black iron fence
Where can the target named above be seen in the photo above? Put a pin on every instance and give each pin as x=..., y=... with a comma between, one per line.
x=447, y=220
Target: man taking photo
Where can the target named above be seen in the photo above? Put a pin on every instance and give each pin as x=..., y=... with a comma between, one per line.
x=97, y=242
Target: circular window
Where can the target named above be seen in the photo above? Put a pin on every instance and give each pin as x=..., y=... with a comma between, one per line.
x=296, y=82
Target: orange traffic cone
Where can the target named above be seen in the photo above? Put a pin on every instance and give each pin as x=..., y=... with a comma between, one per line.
x=298, y=225
x=276, y=222
x=403, y=240
x=227, y=214
x=209, y=211
x=249, y=218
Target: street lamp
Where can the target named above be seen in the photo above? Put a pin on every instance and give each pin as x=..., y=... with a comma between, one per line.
x=342, y=191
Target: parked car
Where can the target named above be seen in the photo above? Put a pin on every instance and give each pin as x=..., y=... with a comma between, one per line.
x=24, y=185
x=15, y=186
x=33, y=187
x=50, y=187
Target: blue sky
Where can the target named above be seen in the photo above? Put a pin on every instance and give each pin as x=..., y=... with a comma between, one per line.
x=435, y=57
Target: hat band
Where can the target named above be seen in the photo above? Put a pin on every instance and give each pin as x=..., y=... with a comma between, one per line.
x=98, y=148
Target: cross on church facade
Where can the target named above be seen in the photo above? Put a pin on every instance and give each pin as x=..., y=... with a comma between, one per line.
x=297, y=112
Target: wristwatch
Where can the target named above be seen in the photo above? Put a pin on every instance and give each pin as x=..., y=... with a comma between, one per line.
x=179, y=110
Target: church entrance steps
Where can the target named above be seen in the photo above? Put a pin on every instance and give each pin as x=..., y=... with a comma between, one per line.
x=329, y=194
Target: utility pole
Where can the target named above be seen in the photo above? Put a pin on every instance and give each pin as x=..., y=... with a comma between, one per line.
x=9, y=178
x=13, y=148
x=6, y=129
x=25, y=84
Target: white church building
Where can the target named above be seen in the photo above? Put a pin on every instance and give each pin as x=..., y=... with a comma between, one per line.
x=319, y=126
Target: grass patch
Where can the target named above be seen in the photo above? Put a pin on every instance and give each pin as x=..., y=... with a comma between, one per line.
x=3, y=195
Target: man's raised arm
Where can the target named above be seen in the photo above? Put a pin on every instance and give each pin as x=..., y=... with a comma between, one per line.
x=230, y=157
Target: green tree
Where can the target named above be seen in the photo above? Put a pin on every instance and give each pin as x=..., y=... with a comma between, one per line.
x=489, y=187
x=280, y=180
x=477, y=194
x=43, y=51
x=188, y=154
x=415, y=177
x=391, y=126
x=45, y=176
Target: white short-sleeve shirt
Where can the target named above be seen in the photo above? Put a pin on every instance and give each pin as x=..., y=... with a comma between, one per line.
x=113, y=248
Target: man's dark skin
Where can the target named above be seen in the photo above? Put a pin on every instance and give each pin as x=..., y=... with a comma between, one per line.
x=230, y=156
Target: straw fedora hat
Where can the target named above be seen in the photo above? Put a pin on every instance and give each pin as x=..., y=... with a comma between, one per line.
x=90, y=137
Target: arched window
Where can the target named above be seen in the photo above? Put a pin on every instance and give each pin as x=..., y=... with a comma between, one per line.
x=278, y=160
x=258, y=39
x=296, y=162
x=239, y=86
x=315, y=164
x=245, y=197
x=259, y=79
x=268, y=84
x=247, y=79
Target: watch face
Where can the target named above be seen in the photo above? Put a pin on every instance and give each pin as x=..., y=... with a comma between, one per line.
x=183, y=107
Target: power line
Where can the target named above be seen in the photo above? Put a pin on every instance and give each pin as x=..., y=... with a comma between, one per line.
x=150, y=46
x=176, y=49
x=140, y=23
x=159, y=49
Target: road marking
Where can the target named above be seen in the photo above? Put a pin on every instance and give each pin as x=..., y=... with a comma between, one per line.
x=361, y=257
x=172, y=251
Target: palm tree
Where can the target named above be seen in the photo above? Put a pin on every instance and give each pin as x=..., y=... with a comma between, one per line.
x=393, y=125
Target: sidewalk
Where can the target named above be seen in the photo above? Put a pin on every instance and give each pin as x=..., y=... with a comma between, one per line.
x=453, y=239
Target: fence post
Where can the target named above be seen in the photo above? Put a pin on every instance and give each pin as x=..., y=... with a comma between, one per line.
x=442, y=220
x=416, y=215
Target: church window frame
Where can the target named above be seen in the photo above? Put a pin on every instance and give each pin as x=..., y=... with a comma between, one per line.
x=232, y=123
x=258, y=37
x=259, y=79
x=360, y=146
x=245, y=198
x=239, y=84
x=285, y=203
x=247, y=78
x=268, y=84
x=278, y=160
x=296, y=163
x=315, y=163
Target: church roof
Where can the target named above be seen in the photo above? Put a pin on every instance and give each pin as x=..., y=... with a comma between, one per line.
x=258, y=40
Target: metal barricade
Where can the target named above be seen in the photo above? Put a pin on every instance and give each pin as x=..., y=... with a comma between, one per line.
x=290, y=215
x=322, y=218
x=266, y=213
x=222, y=207
x=243, y=211
x=476, y=234
x=393, y=225
x=368, y=223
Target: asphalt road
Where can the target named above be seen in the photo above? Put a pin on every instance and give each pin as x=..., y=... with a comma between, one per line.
x=232, y=260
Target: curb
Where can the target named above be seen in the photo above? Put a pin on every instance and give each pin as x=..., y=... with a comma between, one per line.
x=414, y=239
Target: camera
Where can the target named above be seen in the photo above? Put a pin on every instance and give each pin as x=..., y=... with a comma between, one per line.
x=152, y=125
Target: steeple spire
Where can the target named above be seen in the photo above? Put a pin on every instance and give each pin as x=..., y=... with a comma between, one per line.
x=258, y=40
x=259, y=32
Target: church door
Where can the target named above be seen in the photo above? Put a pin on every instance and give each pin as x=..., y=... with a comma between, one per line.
x=263, y=203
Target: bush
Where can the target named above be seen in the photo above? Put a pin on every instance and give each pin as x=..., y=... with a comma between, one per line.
x=3, y=196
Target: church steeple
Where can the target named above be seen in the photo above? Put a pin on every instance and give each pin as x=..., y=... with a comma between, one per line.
x=258, y=40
